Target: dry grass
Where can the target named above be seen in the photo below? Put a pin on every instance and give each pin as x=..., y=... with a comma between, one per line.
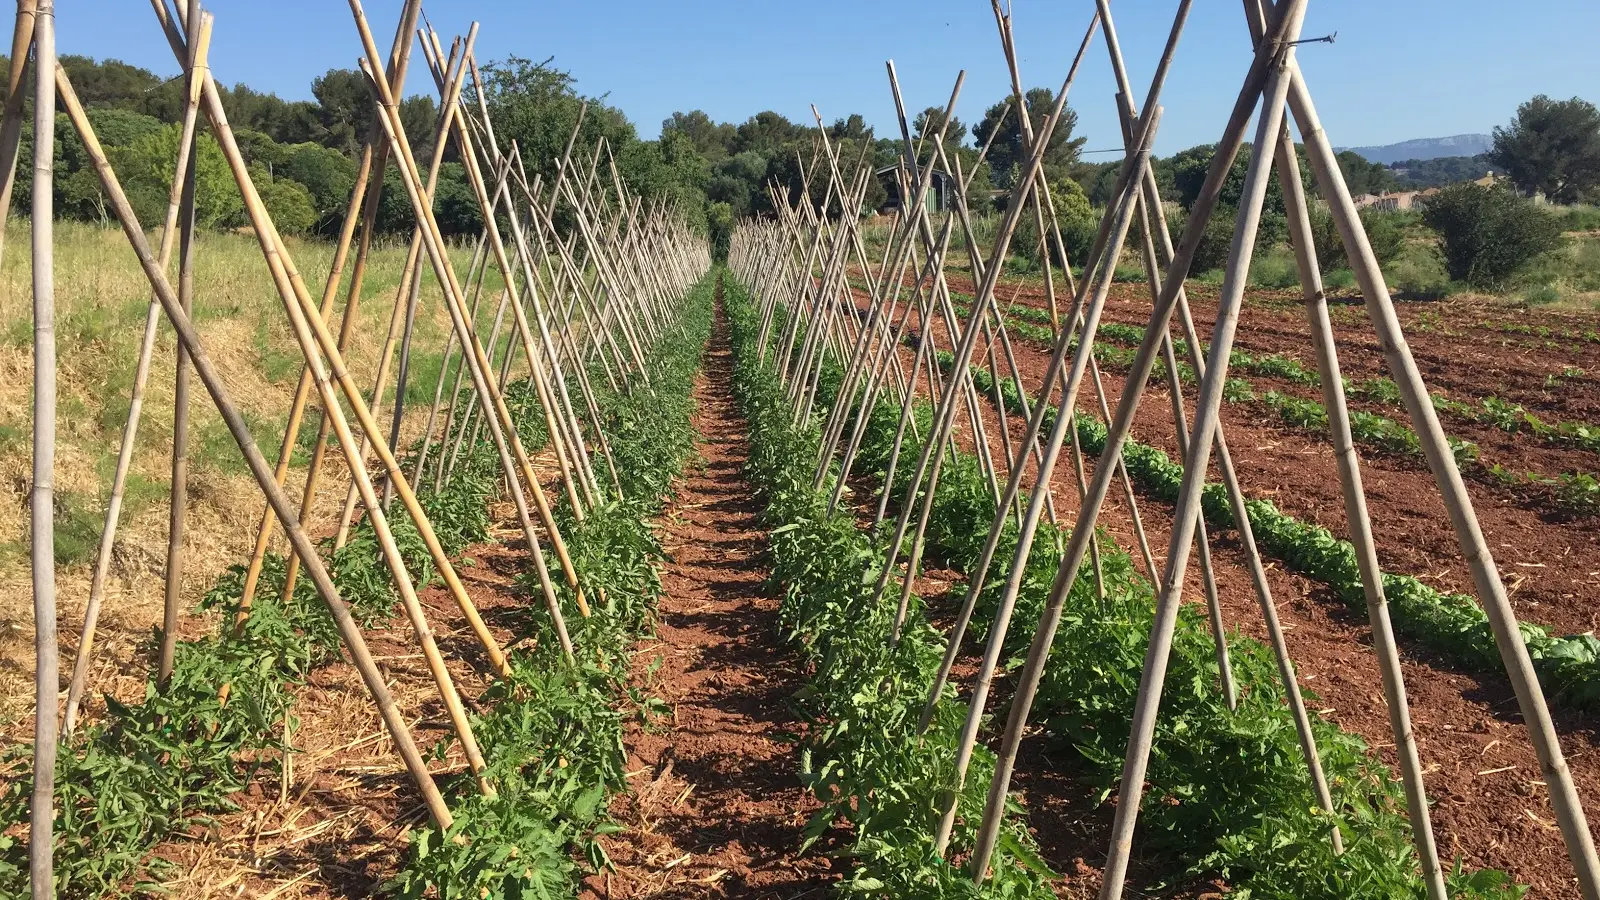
x=101, y=301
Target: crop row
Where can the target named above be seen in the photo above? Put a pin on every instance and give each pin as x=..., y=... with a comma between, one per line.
x=862, y=759
x=1567, y=492
x=1230, y=795
x=155, y=767
x=552, y=733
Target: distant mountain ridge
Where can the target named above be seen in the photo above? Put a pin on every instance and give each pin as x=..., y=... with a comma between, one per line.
x=1427, y=148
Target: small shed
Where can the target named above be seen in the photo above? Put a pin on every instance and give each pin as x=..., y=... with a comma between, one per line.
x=941, y=190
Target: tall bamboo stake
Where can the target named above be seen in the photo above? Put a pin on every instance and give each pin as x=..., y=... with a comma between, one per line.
x=373, y=159
x=1096, y=284
x=1207, y=411
x=501, y=425
x=1567, y=806
x=312, y=335
x=42, y=815
x=179, y=494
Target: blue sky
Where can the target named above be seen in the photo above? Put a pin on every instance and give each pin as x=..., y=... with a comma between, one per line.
x=1401, y=68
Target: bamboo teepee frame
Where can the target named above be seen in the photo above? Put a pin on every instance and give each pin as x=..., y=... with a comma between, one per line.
x=790, y=263
x=642, y=259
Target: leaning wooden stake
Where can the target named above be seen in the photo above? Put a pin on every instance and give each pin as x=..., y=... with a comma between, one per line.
x=1082, y=532
x=364, y=200
x=42, y=808
x=1564, y=800
x=312, y=334
x=199, y=25
x=501, y=425
x=130, y=429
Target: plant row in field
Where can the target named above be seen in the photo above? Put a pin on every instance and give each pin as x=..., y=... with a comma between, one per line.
x=1567, y=492
x=158, y=766
x=862, y=759
x=552, y=733
x=1451, y=624
x=1229, y=792
x=1587, y=335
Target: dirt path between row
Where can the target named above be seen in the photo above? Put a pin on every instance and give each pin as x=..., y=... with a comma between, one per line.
x=717, y=808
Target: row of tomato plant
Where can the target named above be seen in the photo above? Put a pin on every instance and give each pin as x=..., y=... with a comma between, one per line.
x=552, y=733
x=1565, y=492
x=1445, y=621
x=1490, y=410
x=176, y=758
x=861, y=758
x=1229, y=793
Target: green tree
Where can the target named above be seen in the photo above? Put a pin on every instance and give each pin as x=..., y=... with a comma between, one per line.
x=147, y=166
x=328, y=175
x=287, y=201
x=1488, y=234
x=1075, y=217
x=767, y=132
x=260, y=149
x=710, y=139
x=1363, y=177
x=668, y=170
x=1006, y=152
x=719, y=223
x=536, y=105
x=851, y=127
x=344, y=109
x=927, y=123
x=455, y=203
x=1418, y=174
x=1553, y=147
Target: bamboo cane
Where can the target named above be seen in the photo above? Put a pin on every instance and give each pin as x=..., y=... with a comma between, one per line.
x=501, y=425
x=41, y=806
x=1207, y=410
x=552, y=410
x=473, y=279
x=373, y=159
x=1567, y=806
x=1096, y=286
x=933, y=451
x=312, y=334
x=180, y=390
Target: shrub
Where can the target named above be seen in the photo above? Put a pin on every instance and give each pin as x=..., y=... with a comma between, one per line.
x=288, y=202
x=1075, y=216
x=328, y=175
x=1385, y=233
x=1488, y=234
